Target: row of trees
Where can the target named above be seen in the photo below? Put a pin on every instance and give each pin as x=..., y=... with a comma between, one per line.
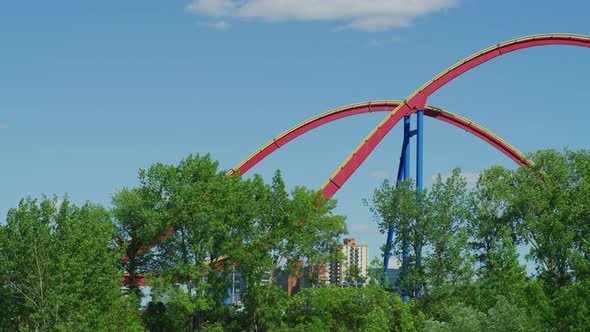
x=221, y=223
x=61, y=264
x=465, y=242
x=59, y=269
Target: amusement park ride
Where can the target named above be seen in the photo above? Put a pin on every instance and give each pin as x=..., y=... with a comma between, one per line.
x=396, y=110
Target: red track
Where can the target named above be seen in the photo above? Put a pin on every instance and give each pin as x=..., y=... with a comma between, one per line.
x=374, y=106
x=415, y=102
x=346, y=111
x=418, y=99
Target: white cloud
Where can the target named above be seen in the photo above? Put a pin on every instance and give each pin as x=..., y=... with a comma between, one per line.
x=379, y=174
x=219, y=25
x=365, y=15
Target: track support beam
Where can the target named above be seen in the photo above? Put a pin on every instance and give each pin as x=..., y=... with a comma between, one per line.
x=419, y=185
x=403, y=173
x=406, y=245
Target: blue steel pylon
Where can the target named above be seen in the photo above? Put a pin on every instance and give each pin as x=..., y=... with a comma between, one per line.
x=403, y=174
x=400, y=177
x=419, y=180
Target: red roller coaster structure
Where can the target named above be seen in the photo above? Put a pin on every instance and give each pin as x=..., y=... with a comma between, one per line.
x=417, y=100
x=346, y=111
x=355, y=109
x=415, y=103
x=375, y=106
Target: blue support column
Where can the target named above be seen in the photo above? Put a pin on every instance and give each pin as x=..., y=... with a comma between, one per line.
x=419, y=150
x=403, y=174
x=419, y=179
x=406, y=153
x=405, y=249
x=386, y=256
x=400, y=176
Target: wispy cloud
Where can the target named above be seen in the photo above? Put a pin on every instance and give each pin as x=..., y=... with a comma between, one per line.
x=382, y=42
x=379, y=174
x=219, y=25
x=364, y=15
x=3, y=125
x=358, y=228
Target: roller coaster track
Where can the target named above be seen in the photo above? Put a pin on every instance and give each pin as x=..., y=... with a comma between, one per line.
x=355, y=109
x=417, y=100
x=375, y=106
x=397, y=110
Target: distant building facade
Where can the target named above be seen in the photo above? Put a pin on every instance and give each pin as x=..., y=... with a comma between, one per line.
x=351, y=270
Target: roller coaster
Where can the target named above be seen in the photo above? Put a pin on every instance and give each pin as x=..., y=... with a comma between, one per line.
x=396, y=110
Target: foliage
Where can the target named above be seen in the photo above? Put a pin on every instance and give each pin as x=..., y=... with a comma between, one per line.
x=503, y=316
x=59, y=269
x=545, y=199
x=217, y=223
x=472, y=276
x=60, y=264
x=349, y=309
x=572, y=307
x=448, y=262
x=397, y=206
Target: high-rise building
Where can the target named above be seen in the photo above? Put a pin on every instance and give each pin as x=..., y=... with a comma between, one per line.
x=352, y=270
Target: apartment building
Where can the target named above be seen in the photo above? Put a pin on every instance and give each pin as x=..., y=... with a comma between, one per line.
x=352, y=270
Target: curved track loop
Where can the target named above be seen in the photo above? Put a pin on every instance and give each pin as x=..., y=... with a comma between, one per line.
x=414, y=102
x=375, y=106
x=417, y=100
x=354, y=109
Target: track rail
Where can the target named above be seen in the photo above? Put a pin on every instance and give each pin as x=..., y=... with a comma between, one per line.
x=375, y=106
x=417, y=100
x=355, y=109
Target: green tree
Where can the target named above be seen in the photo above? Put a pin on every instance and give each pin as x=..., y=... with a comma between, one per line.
x=217, y=222
x=286, y=228
x=493, y=235
x=579, y=162
x=349, y=309
x=137, y=224
x=207, y=215
x=449, y=262
x=60, y=270
x=354, y=276
x=502, y=316
x=398, y=206
x=545, y=209
x=572, y=307
x=456, y=318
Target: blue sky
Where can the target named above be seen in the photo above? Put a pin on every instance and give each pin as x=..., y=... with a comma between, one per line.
x=92, y=91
